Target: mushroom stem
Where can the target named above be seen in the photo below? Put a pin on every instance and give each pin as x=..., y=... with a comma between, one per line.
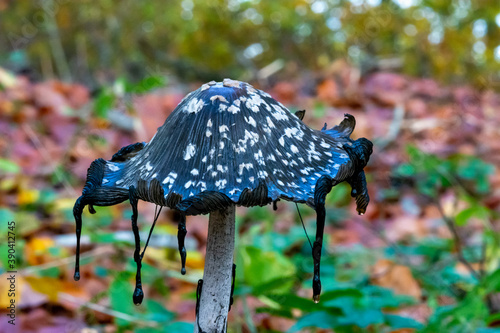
x=215, y=297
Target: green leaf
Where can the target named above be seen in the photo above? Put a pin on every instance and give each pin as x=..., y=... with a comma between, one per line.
x=320, y=319
x=405, y=170
x=362, y=318
x=103, y=103
x=157, y=312
x=478, y=211
x=179, y=327
x=120, y=294
x=319, y=110
x=7, y=166
x=397, y=322
x=295, y=302
x=343, y=292
x=261, y=267
x=148, y=84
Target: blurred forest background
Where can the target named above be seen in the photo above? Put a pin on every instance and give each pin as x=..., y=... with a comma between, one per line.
x=81, y=79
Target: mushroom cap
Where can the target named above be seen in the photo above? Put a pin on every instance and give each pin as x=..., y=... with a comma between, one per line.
x=225, y=143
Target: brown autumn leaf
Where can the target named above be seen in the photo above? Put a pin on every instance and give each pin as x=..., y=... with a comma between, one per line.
x=386, y=88
x=386, y=273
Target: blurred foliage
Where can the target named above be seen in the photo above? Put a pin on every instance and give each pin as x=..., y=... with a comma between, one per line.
x=351, y=301
x=455, y=41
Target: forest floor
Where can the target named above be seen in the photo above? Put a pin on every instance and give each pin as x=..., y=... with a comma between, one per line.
x=51, y=131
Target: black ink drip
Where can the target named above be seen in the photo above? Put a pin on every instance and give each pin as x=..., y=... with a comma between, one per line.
x=138, y=295
x=323, y=186
x=198, y=296
x=77, y=213
x=181, y=235
x=231, y=300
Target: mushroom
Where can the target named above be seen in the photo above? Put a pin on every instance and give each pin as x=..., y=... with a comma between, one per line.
x=228, y=144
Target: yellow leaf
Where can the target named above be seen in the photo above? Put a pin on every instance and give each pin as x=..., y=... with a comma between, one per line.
x=5, y=289
x=37, y=250
x=194, y=259
x=27, y=196
x=64, y=204
x=45, y=285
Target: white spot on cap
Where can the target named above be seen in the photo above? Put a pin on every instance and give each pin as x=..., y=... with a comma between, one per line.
x=113, y=167
x=262, y=174
x=203, y=185
x=312, y=153
x=209, y=123
x=221, y=168
x=259, y=157
x=208, y=133
x=195, y=105
x=231, y=83
x=219, y=97
x=233, y=109
x=204, y=159
x=251, y=179
x=294, y=132
x=223, y=128
x=243, y=166
x=270, y=122
x=279, y=114
x=190, y=151
x=281, y=183
x=170, y=178
x=294, y=149
x=188, y=184
x=148, y=166
x=254, y=102
x=221, y=183
x=324, y=144
x=251, y=121
x=195, y=172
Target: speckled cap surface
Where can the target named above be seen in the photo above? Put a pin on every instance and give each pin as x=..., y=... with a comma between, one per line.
x=237, y=141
